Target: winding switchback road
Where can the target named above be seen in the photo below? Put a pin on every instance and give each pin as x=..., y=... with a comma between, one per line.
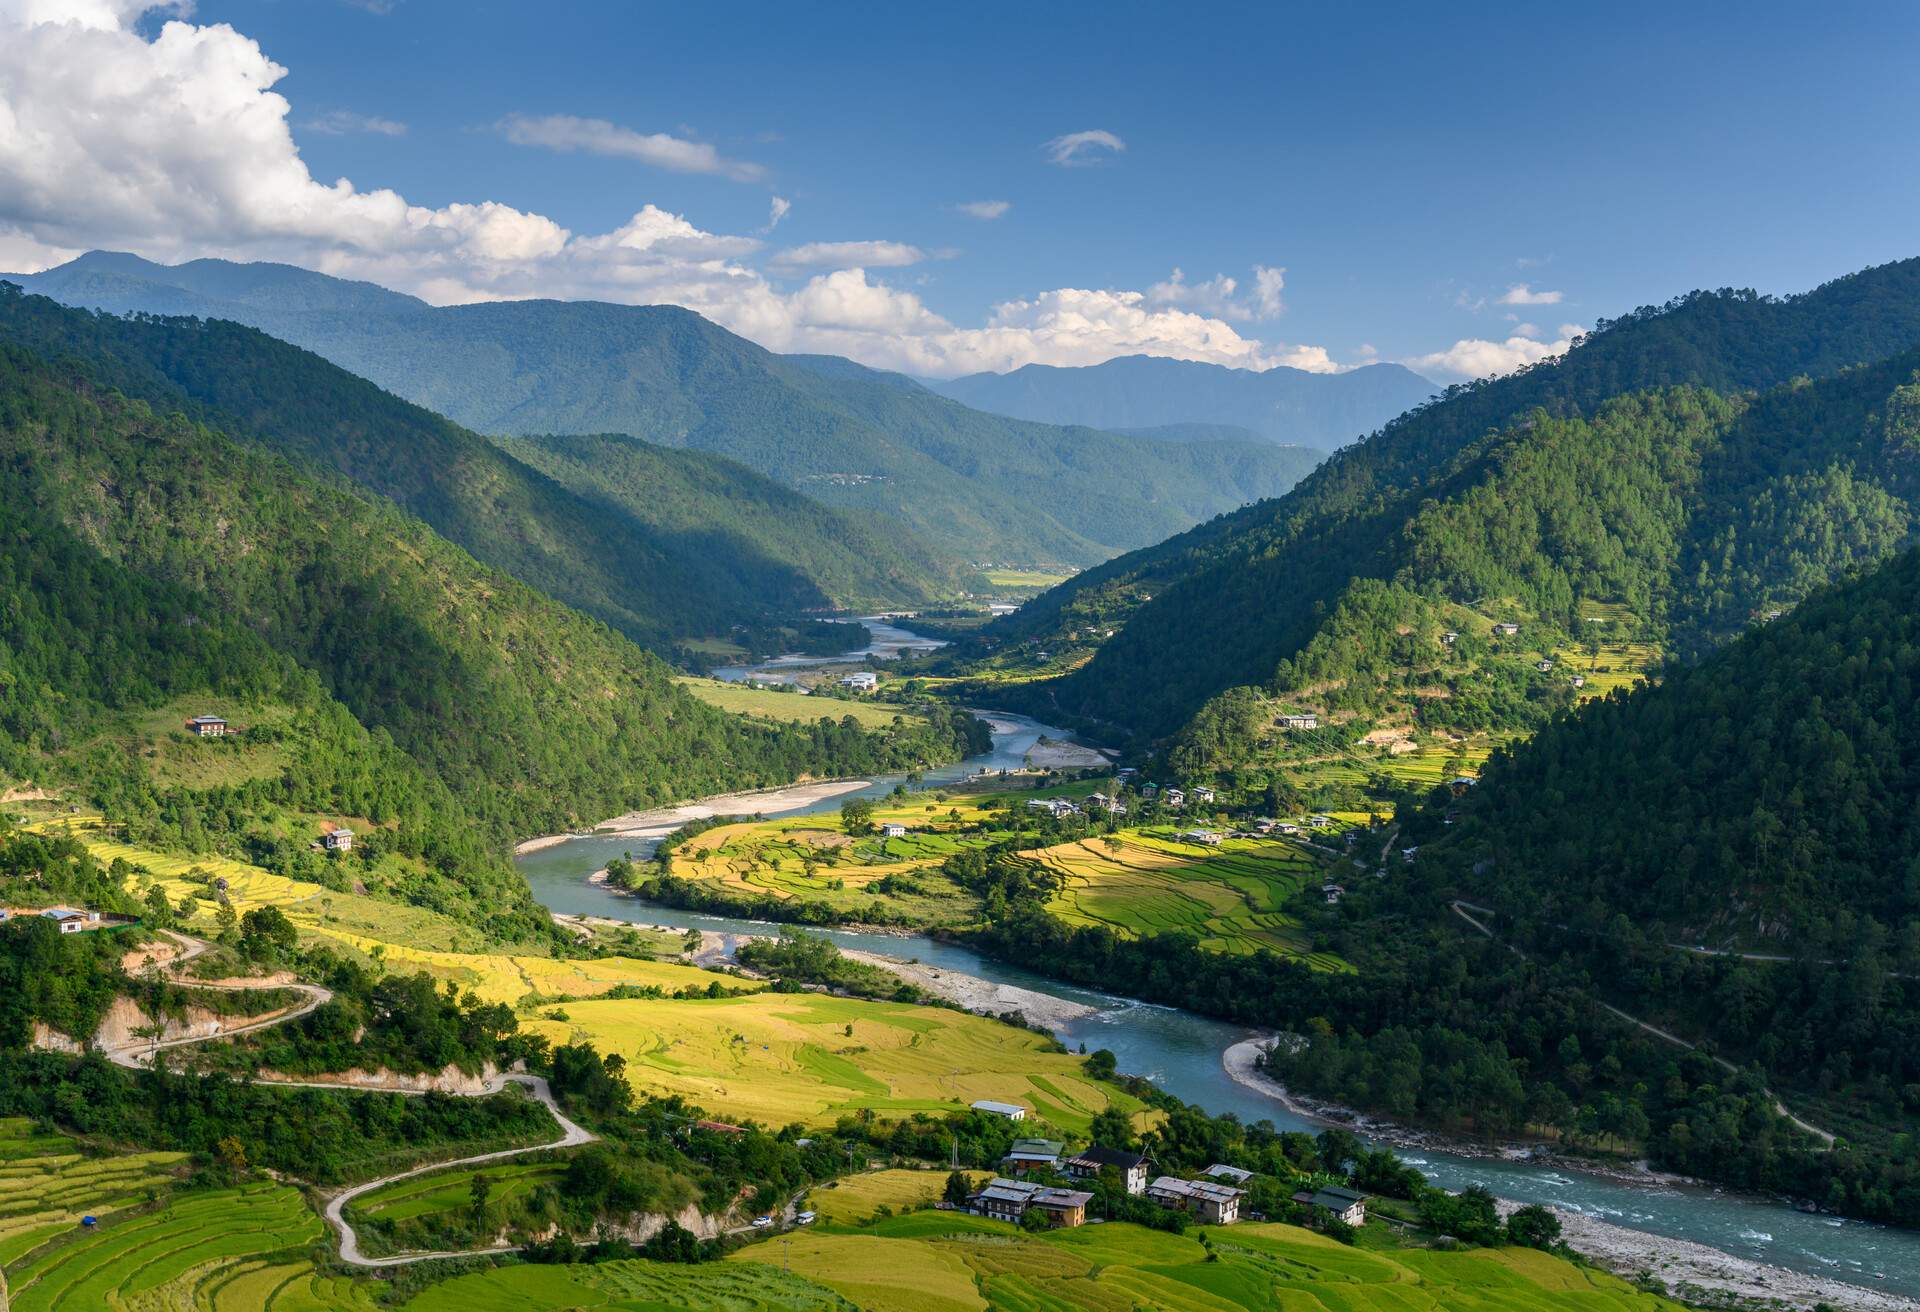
x=140, y=1054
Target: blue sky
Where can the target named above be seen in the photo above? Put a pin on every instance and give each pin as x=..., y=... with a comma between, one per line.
x=1407, y=167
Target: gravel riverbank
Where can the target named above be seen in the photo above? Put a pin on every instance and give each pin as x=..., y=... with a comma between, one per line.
x=976, y=994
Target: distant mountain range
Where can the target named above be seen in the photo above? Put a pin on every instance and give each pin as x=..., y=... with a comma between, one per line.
x=977, y=487
x=1174, y=398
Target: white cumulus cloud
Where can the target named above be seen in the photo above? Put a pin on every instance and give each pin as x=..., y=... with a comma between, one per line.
x=1476, y=357
x=596, y=136
x=176, y=144
x=984, y=209
x=1078, y=149
x=1523, y=294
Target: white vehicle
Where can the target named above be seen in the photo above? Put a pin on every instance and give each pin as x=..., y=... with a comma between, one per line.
x=762, y=1222
x=804, y=1218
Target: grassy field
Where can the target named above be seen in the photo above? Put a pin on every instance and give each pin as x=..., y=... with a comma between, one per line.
x=1148, y=882
x=858, y=1198
x=229, y=1250
x=944, y=1262
x=781, y=1058
x=780, y=704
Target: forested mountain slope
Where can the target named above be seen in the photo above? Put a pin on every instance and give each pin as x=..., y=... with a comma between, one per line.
x=1283, y=405
x=977, y=486
x=1767, y=797
x=638, y=566
x=1538, y=492
x=533, y=715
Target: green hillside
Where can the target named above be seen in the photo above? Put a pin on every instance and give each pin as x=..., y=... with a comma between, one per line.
x=743, y=525
x=977, y=487
x=1770, y=802
x=1635, y=472
x=691, y=558
x=156, y=557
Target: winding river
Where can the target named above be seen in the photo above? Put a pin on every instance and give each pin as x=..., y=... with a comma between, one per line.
x=1181, y=1052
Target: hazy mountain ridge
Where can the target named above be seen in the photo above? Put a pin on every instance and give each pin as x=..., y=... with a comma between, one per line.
x=639, y=568
x=1282, y=405
x=977, y=486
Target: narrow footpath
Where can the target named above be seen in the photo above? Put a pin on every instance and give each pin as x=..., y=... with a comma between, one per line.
x=1465, y=911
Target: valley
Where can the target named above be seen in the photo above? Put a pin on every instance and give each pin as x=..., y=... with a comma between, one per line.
x=990, y=659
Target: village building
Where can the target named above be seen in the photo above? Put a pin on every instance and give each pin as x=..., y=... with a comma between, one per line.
x=1204, y=794
x=1009, y=1200
x=1231, y=1174
x=1174, y=797
x=1132, y=1167
x=1543, y=666
x=1212, y=1202
x=1033, y=1155
x=1205, y=837
x=1149, y=791
x=1506, y=629
x=1304, y=720
x=1012, y=1111
x=1448, y=638
x=1320, y=821
x=1579, y=681
x=861, y=681
x=70, y=921
x=893, y=831
x=207, y=726
x=1057, y=807
x=1332, y=892
x=337, y=839
x=1344, y=1203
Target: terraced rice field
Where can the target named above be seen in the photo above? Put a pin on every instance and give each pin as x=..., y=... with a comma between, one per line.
x=857, y=1198
x=47, y=1185
x=451, y=1191
x=310, y=906
x=781, y=1058
x=629, y=1287
x=231, y=1250
x=498, y=977
x=1228, y=897
x=790, y=707
x=1618, y=665
x=804, y=857
x=943, y=1262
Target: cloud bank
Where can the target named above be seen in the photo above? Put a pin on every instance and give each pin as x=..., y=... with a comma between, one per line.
x=176, y=145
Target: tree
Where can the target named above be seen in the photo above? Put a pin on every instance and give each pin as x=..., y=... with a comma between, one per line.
x=1533, y=1226
x=959, y=1188
x=1112, y=1128
x=477, y=1195
x=265, y=932
x=856, y=815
